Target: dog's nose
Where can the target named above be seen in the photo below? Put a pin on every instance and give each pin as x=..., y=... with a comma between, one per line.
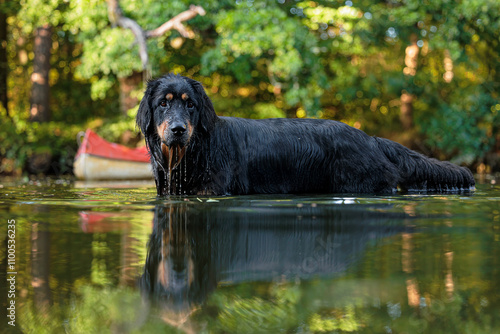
x=178, y=128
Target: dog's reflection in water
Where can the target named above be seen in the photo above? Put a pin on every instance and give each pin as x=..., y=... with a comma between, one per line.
x=194, y=247
x=175, y=277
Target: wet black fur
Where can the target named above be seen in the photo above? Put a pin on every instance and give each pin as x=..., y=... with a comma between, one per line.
x=233, y=156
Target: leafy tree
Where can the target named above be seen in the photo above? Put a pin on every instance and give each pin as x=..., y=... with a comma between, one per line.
x=111, y=53
x=279, y=48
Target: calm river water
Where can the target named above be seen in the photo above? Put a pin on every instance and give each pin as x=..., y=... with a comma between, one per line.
x=112, y=258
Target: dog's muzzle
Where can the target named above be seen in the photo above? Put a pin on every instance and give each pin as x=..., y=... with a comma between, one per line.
x=178, y=129
x=176, y=134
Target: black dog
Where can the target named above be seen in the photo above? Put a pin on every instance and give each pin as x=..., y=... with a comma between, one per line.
x=193, y=151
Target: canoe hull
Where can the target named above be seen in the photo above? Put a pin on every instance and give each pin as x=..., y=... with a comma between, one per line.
x=90, y=167
x=98, y=159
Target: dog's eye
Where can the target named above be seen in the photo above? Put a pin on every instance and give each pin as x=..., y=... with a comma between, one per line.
x=190, y=105
x=163, y=103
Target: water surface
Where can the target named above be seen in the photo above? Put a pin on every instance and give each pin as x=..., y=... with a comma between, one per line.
x=112, y=258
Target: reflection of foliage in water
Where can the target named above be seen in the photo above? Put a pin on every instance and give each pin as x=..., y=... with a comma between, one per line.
x=336, y=320
x=109, y=309
x=88, y=298
x=276, y=312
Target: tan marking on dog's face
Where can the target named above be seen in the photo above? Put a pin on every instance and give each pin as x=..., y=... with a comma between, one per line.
x=161, y=130
x=169, y=96
x=190, y=129
x=165, y=151
x=185, y=96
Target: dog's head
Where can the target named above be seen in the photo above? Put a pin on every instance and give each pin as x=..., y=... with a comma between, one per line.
x=172, y=110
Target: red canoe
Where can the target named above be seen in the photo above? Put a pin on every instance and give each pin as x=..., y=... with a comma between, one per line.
x=98, y=159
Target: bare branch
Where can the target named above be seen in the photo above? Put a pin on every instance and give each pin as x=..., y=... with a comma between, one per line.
x=127, y=23
x=117, y=18
x=176, y=23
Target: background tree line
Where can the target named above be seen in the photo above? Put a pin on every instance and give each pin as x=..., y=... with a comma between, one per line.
x=419, y=72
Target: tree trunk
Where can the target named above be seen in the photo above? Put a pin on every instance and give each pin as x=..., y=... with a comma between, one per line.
x=128, y=86
x=406, y=109
x=39, y=111
x=4, y=67
x=411, y=58
x=40, y=262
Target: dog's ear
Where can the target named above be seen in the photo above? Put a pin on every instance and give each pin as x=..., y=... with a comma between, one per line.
x=207, y=115
x=144, y=116
x=144, y=120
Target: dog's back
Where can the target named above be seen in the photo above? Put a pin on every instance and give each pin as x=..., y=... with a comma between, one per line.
x=303, y=156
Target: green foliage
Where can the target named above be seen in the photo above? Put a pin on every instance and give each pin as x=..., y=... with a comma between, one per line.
x=110, y=53
x=279, y=48
x=114, y=128
x=267, y=110
x=21, y=140
x=35, y=13
x=465, y=127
